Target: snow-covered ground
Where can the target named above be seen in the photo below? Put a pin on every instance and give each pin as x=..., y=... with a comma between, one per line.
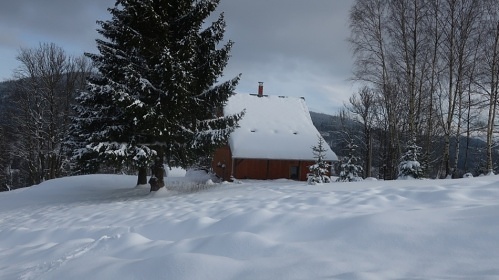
x=100, y=227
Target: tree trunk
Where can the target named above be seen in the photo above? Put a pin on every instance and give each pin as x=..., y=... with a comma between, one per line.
x=451, y=98
x=494, y=85
x=455, y=168
x=369, y=158
x=157, y=180
x=142, y=176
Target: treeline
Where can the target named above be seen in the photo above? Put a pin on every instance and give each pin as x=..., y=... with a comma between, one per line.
x=428, y=73
x=36, y=109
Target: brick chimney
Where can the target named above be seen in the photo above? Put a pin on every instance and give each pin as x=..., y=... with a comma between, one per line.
x=260, y=89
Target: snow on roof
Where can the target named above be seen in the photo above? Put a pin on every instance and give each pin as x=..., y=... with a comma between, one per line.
x=273, y=127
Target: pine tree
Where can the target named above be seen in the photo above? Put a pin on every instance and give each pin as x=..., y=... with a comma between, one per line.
x=318, y=171
x=409, y=166
x=350, y=170
x=156, y=93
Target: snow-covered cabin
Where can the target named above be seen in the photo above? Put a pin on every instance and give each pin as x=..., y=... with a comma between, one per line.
x=274, y=139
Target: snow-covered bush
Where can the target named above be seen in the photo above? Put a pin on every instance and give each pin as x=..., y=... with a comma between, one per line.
x=180, y=180
x=409, y=166
x=468, y=175
x=350, y=171
x=319, y=171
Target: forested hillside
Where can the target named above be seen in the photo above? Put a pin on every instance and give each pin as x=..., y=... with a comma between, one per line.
x=337, y=130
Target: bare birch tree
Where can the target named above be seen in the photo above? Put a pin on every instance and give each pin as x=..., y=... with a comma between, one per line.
x=489, y=72
x=369, y=39
x=420, y=58
x=363, y=105
x=458, y=23
x=47, y=81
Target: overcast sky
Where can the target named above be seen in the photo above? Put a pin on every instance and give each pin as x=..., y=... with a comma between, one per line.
x=296, y=47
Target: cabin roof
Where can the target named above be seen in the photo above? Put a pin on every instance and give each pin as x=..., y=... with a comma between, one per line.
x=273, y=127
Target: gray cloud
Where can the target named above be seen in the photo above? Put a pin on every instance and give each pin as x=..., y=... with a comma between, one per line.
x=71, y=22
x=297, y=47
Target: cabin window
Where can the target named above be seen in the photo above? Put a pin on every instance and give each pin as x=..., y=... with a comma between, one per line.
x=294, y=172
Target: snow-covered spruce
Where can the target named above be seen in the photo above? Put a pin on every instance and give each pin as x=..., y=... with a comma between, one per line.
x=319, y=171
x=409, y=166
x=156, y=93
x=350, y=171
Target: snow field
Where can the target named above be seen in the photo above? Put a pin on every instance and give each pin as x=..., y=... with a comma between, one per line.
x=98, y=227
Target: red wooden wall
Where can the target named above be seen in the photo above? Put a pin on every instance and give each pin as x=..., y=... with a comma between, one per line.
x=260, y=169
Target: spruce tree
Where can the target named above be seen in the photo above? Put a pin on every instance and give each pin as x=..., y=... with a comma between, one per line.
x=350, y=171
x=318, y=171
x=156, y=94
x=409, y=166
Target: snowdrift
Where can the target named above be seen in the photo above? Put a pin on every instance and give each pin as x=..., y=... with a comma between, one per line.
x=101, y=227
